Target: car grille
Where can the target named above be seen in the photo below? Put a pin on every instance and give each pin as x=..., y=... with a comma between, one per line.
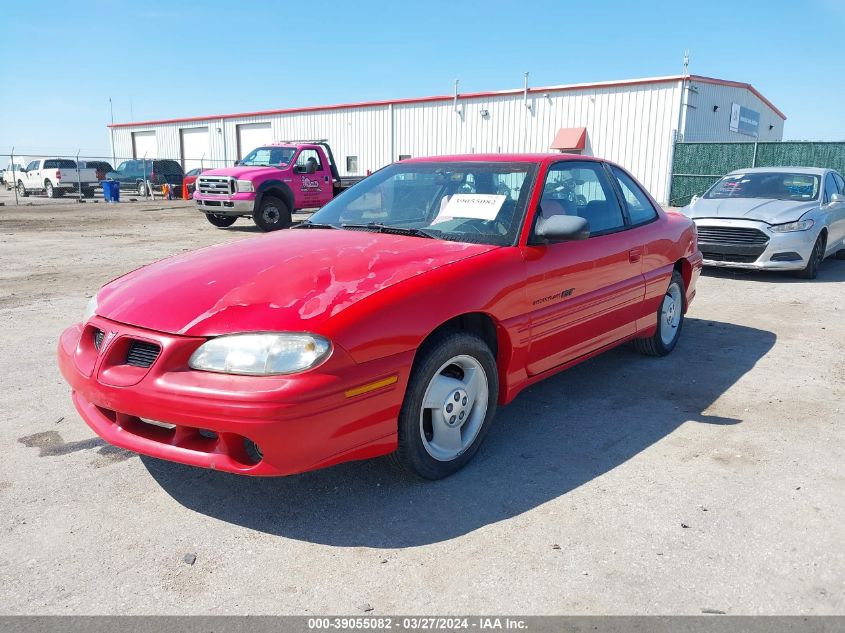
x=142, y=354
x=732, y=235
x=216, y=185
x=729, y=257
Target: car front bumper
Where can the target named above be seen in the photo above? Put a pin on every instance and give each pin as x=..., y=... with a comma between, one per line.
x=226, y=206
x=298, y=422
x=779, y=251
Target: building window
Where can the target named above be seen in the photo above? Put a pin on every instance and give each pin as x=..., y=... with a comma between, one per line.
x=404, y=156
x=351, y=164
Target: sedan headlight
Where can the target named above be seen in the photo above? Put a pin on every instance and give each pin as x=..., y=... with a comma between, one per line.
x=244, y=186
x=789, y=227
x=90, y=310
x=261, y=354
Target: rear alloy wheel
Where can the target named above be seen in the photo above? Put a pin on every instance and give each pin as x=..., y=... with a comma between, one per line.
x=272, y=214
x=670, y=321
x=449, y=405
x=22, y=190
x=142, y=188
x=811, y=270
x=221, y=221
x=48, y=189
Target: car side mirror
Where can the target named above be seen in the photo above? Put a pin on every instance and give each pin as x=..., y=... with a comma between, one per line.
x=562, y=228
x=836, y=198
x=299, y=169
x=693, y=199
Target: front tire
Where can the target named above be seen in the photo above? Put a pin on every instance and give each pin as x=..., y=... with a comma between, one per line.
x=449, y=405
x=221, y=221
x=811, y=270
x=670, y=321
x=272, y=214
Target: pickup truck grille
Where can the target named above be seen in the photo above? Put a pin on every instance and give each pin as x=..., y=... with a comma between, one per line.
x=731, y=235
x=215, y=185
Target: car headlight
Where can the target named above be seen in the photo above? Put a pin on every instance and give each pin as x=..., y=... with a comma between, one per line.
x=90, y=310
x=245, y=186
x=264, y=354
x=789, y=227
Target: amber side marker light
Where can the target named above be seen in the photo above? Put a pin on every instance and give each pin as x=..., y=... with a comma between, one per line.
x=371, y=386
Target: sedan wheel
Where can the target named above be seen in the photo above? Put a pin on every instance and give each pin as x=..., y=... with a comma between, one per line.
x=811, y=271
x=454, y=408
x=449, y=405
x=670, y=321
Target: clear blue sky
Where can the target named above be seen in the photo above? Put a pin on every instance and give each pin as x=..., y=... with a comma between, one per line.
x=62, y=61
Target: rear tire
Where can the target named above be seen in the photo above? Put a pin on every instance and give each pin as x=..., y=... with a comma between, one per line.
x=221, y=221
x=670, y=321
x=142, y=188
x=22, y=192
x=49, y=191
x=449, y=406
x=272, y=214
x=811, y=270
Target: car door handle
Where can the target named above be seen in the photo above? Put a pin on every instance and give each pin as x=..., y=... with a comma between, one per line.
x=634, y=255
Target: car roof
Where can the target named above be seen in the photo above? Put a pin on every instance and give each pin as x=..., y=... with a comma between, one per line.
x=547, y=157
x=815, y=171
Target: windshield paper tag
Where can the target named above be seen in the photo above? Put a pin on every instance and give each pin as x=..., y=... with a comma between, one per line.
x=479, y=206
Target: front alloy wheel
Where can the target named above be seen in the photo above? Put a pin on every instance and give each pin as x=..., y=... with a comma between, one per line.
x=449, y=405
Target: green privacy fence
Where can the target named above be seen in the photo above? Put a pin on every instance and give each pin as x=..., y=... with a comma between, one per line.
x=696, y=166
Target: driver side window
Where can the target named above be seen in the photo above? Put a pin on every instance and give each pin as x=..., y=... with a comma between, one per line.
x=581, y=188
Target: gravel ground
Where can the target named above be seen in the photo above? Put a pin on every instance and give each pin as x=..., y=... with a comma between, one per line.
x=712, y=479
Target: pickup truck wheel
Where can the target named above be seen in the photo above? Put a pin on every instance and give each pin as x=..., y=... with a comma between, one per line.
x=449, y=405
x=273, y=214
x=142, y=188
x=22, y=190
x=670, y=321
x=221, y=221
x=48, y=189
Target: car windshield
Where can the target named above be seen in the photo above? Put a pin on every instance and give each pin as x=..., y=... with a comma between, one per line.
x=268, y=157
x=477, y=202
x=769, y=185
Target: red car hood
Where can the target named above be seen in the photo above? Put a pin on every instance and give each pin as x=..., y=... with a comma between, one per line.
x=290, y=280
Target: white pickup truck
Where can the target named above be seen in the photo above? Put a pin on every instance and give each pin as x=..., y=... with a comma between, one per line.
x=56, y=177
x=11, y=172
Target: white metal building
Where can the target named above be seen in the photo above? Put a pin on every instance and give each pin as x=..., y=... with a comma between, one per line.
x=633, y=122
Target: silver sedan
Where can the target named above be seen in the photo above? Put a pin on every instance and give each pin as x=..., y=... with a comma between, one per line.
x=772, y=218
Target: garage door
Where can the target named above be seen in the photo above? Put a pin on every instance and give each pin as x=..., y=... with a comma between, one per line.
x=252, y=135
x=194, y=148
x=144, y=144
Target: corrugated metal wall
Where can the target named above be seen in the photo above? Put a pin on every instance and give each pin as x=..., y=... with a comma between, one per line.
x=633, y=125
x=703, y=124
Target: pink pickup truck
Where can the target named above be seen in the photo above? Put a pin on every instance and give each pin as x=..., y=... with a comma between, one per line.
x=270, y=183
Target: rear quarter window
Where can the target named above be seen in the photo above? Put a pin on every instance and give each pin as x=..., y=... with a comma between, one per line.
x=639, y=206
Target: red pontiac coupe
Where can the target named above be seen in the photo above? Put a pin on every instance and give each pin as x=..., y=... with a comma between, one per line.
x=395, y=320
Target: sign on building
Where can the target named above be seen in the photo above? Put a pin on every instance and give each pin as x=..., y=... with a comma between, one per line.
x=744, y=120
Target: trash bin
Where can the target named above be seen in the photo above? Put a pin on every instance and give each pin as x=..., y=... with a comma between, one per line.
x=111, y=190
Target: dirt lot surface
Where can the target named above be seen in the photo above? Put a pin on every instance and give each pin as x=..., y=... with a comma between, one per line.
x=712, y=479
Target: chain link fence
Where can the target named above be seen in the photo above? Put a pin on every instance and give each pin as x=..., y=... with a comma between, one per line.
x=696, y=166
x=22, y=174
